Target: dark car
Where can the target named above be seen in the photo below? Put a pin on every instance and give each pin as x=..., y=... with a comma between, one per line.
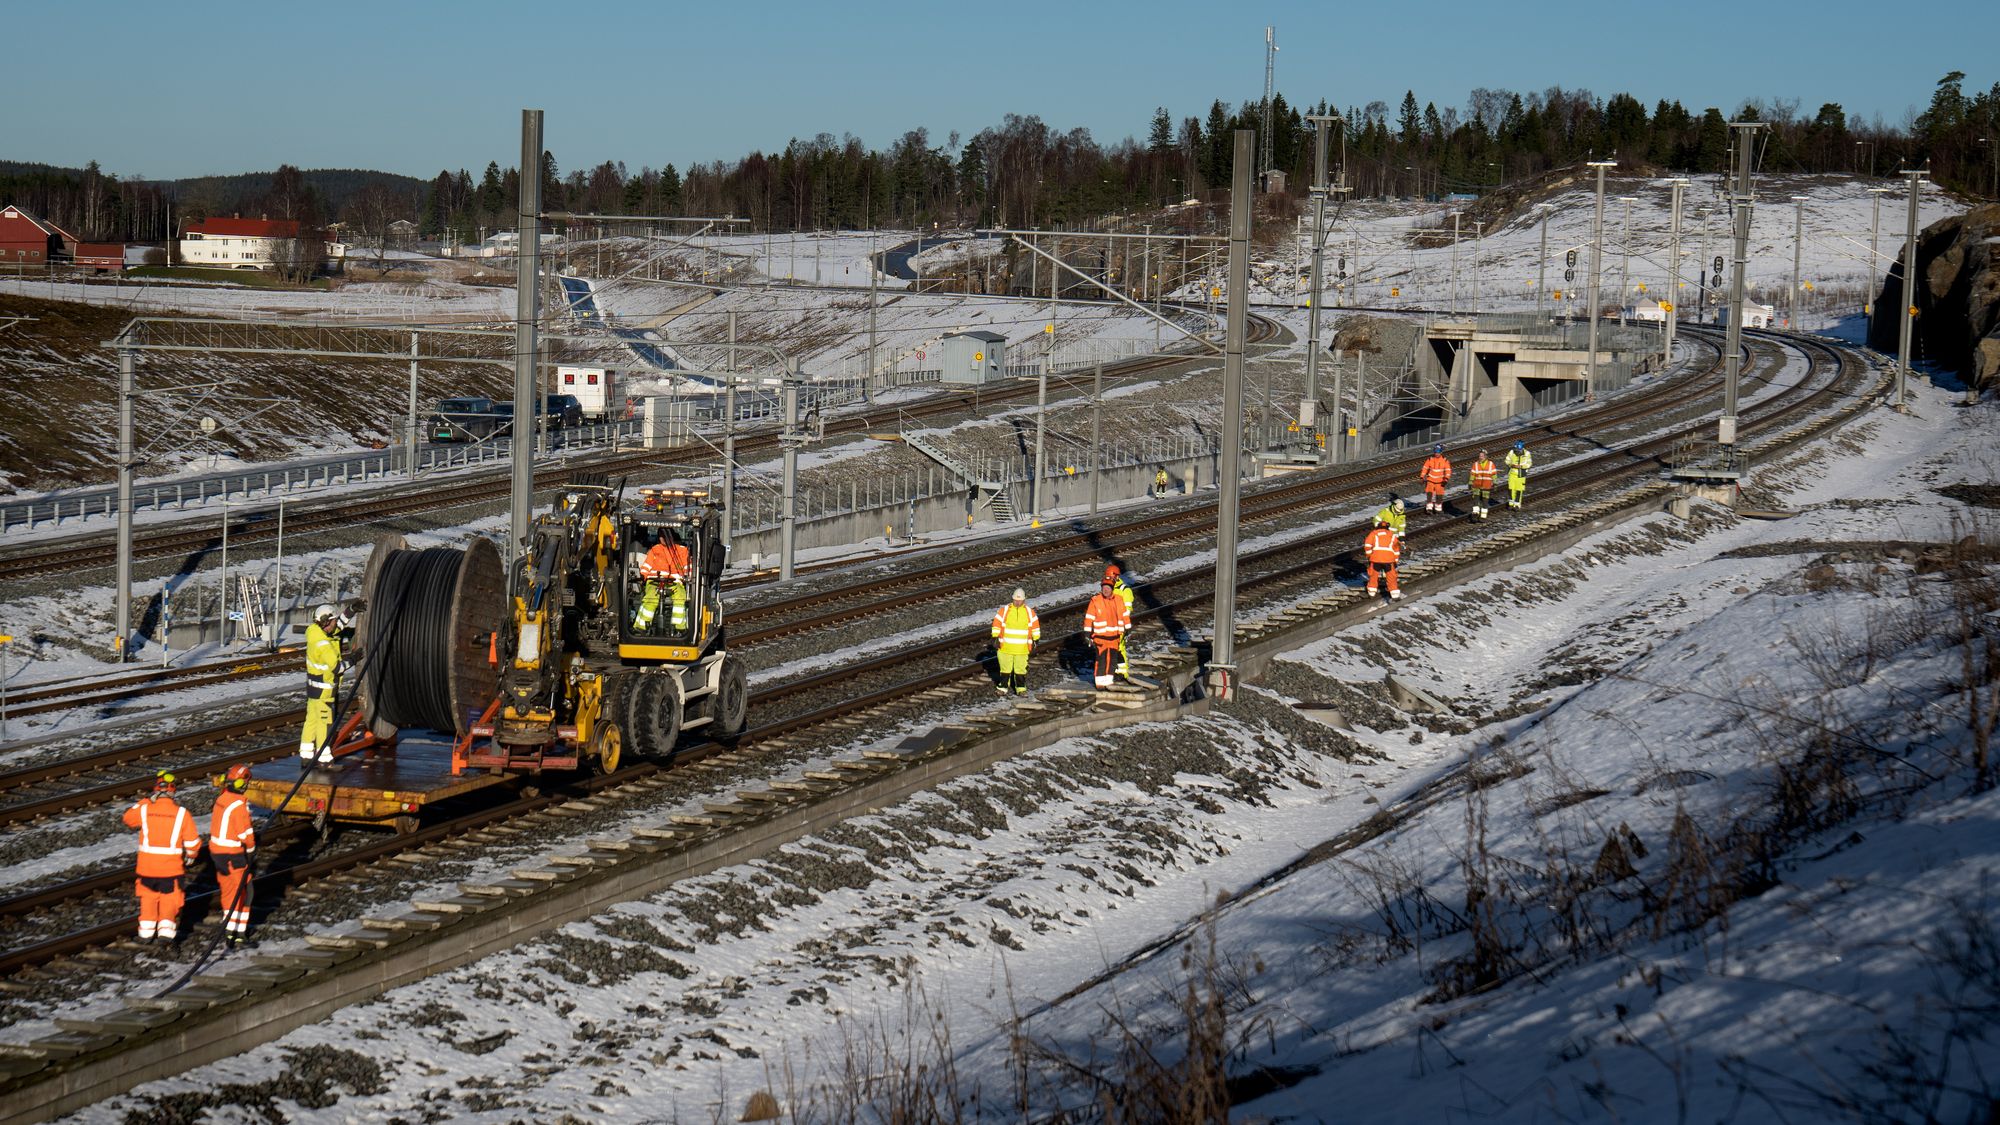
x=564, y=410
x=463, y=419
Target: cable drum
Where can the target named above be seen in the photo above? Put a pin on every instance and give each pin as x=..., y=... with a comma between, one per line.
x=426, y=634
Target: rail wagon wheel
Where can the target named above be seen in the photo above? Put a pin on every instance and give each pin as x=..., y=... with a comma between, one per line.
x=731, y=703
x=607, y=747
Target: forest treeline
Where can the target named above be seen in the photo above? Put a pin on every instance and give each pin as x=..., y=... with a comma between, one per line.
x=1024, y=172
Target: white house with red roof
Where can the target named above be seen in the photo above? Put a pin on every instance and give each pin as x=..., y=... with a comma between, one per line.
x=236, y=243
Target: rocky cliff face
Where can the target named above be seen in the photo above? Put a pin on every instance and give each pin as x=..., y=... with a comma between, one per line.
x=1958, y=298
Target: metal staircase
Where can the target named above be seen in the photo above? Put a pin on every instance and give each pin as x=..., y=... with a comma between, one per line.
x=994, y=495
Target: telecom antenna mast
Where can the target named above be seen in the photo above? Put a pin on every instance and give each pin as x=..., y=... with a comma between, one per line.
x=1266, y=157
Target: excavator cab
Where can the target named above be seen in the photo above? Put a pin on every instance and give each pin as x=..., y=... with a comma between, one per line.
x=669, y=600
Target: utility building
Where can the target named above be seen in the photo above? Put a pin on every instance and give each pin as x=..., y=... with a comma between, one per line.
x=971, y=358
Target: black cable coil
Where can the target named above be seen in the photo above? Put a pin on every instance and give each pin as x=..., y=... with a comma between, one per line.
x=409, y=639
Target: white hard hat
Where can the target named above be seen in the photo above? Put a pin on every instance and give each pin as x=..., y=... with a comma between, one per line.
x=1020, y=595
x=324, y=612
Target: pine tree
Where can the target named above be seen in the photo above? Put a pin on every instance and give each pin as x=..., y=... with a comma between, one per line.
x=1712, y=145
x=1160, y=140
x=1410, y=122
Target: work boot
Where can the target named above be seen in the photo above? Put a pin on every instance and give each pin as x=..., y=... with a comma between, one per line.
x=1001, y=688
x=1395, y=595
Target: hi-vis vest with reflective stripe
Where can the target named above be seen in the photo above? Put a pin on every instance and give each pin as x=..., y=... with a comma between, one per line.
x=1483, y=473
x=322, y=658
x=167, y=837
x=229, y=827
x=1437, y=470
x=1106, y=617
x=1520, y=459
x=1382, y=546
x=1018, y=627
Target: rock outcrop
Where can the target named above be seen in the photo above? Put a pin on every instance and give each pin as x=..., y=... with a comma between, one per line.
x=1958, y=322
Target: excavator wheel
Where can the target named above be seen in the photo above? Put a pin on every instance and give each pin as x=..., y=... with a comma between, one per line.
x=652, y=714
x=731, y=701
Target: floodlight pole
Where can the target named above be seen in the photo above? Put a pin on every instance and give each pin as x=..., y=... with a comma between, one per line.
x=1739, y=208
x=1915, y=177
x=1596, y=275
x=1222, y=657
x=527, y=313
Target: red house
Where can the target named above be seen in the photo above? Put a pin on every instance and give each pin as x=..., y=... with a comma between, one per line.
x=28, y=241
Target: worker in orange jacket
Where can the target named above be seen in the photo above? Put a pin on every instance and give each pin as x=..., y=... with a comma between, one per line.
x=1105, y=622
x=168, y=842
x=232, y=845
x=1484, y=472
x=1384, y=549
x=1435, y=473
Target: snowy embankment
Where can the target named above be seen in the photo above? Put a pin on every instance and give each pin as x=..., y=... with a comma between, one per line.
x=1497, y=270
x=1727, y=845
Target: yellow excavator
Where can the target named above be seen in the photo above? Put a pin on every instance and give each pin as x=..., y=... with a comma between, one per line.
x=614, y=640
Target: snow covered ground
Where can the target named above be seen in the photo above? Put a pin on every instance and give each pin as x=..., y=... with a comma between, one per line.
x=1821, y=948
x=1503, y=265
x=394, y=302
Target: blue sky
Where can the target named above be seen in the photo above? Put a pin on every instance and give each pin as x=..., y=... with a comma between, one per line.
x=170, y=90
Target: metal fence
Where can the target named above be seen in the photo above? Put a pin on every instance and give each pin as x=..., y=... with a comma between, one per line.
x=287, y=480
x=759, y=506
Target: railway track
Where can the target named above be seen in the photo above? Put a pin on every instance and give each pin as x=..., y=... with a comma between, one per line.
x=100, y=550
x=841, y=606
x=868, y=685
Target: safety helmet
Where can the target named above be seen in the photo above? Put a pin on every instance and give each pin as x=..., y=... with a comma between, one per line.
x=1520, y=445
x=1380, y=522
x=1437, y=449
x=163, y=782
x=325, y=613
x=1397, y=503
x=1482, y=455
x=1111, y=572
x=238, y=777
x=1020, y=595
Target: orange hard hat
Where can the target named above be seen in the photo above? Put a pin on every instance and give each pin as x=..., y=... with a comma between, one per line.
x=1111, y=572
x=163, y=782
x=238, y=776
